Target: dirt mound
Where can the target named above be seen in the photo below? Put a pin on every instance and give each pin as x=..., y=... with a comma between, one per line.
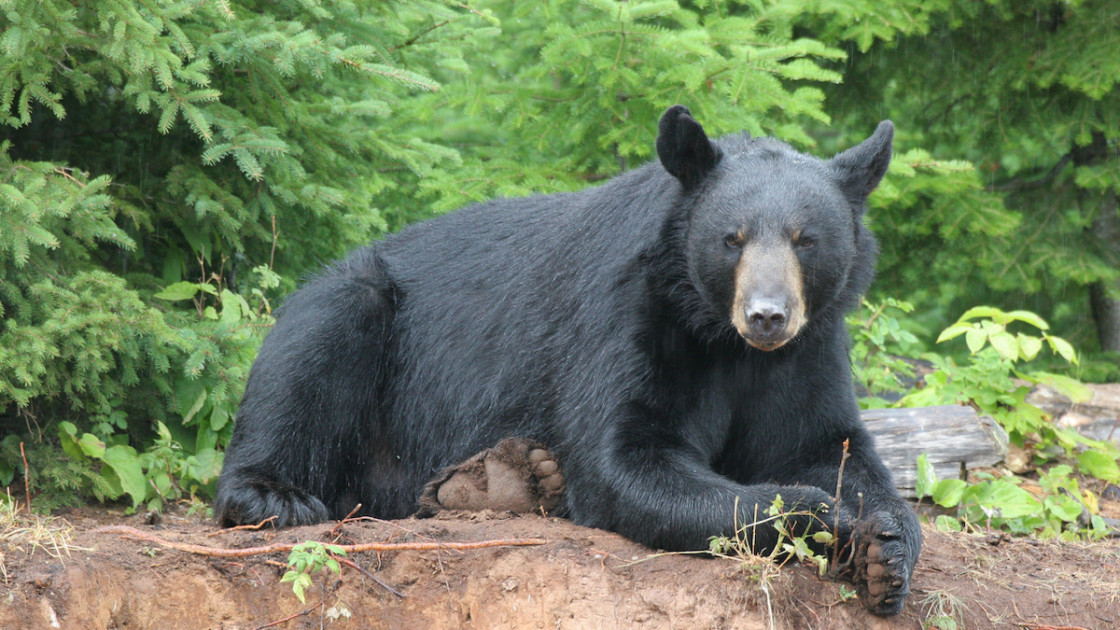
x=578, y=578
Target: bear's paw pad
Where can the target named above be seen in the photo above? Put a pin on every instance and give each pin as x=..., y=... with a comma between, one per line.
x=516, y=475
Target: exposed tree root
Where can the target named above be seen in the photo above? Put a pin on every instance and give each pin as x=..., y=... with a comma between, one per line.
x=221, y=552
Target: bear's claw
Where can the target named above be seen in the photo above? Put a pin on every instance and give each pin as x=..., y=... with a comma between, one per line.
x=882, y=566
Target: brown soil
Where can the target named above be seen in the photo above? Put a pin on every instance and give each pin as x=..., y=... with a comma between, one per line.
x=579, y=578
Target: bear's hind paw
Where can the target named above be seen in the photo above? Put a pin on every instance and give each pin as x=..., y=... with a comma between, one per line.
x=516, y=475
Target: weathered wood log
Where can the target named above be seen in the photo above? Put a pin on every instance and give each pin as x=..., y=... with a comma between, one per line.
x=954, y=438
x=1095, y=415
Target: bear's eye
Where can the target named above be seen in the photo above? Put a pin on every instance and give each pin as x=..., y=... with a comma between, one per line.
x=804, y=242
x=733, y=240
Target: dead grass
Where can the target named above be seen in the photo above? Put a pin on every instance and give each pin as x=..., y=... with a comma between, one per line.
x=22, y=534
x=942, y=610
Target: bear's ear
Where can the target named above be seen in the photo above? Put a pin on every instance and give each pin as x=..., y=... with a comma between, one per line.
x=860, y=168
x=684, y=149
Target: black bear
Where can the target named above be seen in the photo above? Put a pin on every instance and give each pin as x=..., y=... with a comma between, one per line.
x=675, y=336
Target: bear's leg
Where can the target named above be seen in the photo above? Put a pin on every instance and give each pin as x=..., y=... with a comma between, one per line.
x=304, y=441
x=516, y=475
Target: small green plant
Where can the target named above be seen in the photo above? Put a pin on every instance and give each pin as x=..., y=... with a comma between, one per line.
x=308, y=558
x=789, y=546
x=878, y=340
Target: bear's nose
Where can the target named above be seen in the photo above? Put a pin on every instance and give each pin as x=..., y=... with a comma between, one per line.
x=766, y=318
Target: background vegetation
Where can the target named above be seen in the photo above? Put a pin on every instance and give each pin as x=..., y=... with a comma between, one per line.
x=169, y=169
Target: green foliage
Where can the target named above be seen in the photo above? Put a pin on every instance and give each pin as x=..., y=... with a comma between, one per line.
x=1001, y=503
x=993, y=330
x=576, y=91
x=308, y=558
x=988, y=383
x=166, y=169
x=879, y=340
x=1025, y=91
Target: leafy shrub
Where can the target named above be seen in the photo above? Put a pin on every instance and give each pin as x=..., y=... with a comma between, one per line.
x=988, y=382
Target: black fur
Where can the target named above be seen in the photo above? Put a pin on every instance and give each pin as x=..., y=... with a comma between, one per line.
x=597, y=323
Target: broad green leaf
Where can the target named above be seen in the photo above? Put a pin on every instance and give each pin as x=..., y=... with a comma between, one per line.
x=219, y=418
x=1029, y=346
x=1063, y=348
x=126, y=464
x=1063, y=506
x=1004, y=343
x=946, y=523
x=948, y=492
x=205, y=465
x=1010, y=501
x=1030, y=318
x=987, y=312
x=953, y=332
x=91, y=446
x=976, y=339
x=823, y=537
x=927, y=477
x=1071, y=387
x=1099, y=465
x=68, y=438
x=179, y=291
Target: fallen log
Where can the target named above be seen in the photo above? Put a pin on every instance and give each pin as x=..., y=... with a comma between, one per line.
x=954, y=439
x=1095, y=414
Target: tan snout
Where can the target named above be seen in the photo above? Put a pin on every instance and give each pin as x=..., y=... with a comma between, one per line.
x=769, y=307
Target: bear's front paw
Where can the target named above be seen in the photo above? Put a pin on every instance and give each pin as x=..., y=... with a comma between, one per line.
x=250, y=501
x=885, y=552
x=517, y=475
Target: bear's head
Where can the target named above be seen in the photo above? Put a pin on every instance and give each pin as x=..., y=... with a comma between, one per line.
x=774, y=237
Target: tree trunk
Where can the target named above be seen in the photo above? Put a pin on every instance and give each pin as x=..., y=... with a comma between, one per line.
x=1106, y=313
x=1104, y=295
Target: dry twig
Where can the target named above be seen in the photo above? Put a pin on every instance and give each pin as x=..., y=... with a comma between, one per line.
x=26, y=478
x=334, y=530
x=242, y=527
x=368, y=574
x=290, y=617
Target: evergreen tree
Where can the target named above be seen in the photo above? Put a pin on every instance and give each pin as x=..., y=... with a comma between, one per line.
x=163, y=166
x=1027, y=92
x=170, y=169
